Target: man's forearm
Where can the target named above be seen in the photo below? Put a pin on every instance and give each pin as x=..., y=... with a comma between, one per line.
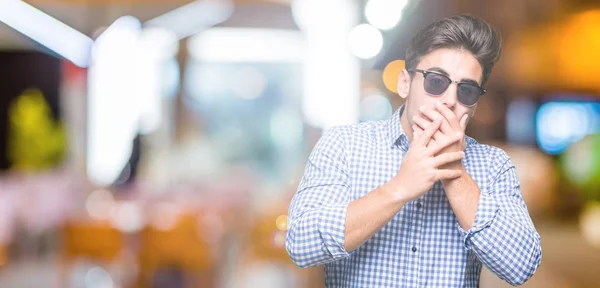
x=463, y=195
x=329, y=232
x=502, y=241
x=508, y=249
x=367, y=215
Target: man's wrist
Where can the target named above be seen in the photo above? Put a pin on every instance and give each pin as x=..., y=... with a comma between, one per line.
x=392, y=194
x=458, y=165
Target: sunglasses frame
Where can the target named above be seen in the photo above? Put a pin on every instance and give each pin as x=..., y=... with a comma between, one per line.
x=425, y=73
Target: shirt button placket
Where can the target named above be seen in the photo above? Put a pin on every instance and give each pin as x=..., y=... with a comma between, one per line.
x=417, y=247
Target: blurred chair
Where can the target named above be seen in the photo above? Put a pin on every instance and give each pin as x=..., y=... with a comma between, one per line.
x=97, y=241
x=267, y=241
x=266, y=245
x=179, y=248
x=3, y=256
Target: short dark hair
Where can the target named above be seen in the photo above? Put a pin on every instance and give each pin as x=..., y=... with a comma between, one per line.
x=461, y=31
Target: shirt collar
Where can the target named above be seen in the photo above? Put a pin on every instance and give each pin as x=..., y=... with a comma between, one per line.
x=396, y=134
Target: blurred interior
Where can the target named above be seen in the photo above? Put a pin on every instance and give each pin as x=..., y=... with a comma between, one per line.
x=157, y=143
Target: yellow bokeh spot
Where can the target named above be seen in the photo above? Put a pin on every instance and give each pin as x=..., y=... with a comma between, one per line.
x=36, y=141
x=282, y=223
x=589, y=223
x=391, y=73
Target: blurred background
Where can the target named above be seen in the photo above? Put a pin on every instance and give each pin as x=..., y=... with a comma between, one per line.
x=157, y=143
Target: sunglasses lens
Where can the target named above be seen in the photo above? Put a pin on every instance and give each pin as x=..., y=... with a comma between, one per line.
x=436, y=84
x=468, y=94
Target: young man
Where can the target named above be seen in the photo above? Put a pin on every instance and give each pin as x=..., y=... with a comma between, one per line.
x=412, y=202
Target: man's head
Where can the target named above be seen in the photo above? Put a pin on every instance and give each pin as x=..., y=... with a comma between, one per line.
x=463, y=48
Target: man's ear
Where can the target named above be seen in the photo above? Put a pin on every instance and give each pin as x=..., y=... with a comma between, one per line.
x=403, y=84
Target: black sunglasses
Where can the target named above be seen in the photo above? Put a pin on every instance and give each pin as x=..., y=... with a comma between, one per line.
x=436, y=84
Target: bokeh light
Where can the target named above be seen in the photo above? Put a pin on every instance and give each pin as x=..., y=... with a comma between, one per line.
x=578, y=61
x=282, y=223
x=581, y=165
x=100, y=204
x=384, y=14
x=365, y=41
x=559, y=124
x=97, y=277
x=313, y=15
x=278, y=239
x=164, y=216
x=127, y=217
x=390, y=75
x=375, y=106
x=589, y=224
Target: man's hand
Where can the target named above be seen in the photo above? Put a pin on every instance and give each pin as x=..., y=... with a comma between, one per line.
x=422, y=165
x=450, y=127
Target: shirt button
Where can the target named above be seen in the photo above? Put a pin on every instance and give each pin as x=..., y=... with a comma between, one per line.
x=419, y=205
x=414, y=249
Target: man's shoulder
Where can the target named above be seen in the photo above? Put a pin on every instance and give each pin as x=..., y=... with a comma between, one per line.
x=369, y=130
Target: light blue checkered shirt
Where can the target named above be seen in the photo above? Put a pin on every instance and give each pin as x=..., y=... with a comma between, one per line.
x=423, y=245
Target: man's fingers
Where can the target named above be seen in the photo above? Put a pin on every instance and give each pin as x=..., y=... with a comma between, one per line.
x=423, y=124
x=447, y=174
x=417, y=129
x=435, y=149
x=449, y=115
x=420, y=131
x=447, y=158
x=463, y=122
x=446, y=128
x=424, y=138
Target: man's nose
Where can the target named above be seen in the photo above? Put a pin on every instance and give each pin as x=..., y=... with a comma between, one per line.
x=449, y=98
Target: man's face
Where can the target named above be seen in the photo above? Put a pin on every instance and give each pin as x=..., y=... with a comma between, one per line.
x=459, y=65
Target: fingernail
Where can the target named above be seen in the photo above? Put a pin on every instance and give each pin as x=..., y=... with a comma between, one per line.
x=459, y=135
x=438, y=103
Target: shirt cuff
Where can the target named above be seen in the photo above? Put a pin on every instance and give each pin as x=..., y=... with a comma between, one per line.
x=332, y=225
x=487, y=210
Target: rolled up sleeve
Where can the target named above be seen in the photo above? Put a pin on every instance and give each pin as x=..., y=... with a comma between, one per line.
x=318, y=210
x=503, y=236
